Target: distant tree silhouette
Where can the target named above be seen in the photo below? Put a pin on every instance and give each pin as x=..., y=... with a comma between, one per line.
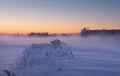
x=87, y=32
x=38, y=34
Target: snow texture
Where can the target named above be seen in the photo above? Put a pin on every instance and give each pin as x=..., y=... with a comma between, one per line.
x=72, y=55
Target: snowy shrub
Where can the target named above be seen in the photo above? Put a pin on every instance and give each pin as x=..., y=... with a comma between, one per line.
x=6, y=73
x=53, y=52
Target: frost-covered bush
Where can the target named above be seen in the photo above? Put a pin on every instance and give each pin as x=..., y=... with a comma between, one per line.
x=53, y=52
x=60, y=50
x=6, y=73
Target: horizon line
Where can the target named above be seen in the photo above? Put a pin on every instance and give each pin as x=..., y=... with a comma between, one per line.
x=54, y=32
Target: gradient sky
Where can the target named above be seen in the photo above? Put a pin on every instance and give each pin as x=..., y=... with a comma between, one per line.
x=58, y=16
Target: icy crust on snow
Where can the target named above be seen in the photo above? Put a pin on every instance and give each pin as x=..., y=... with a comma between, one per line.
x=47, y=53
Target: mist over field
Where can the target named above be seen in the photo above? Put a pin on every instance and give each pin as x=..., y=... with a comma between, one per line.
x=93, y=55
x=59, y=37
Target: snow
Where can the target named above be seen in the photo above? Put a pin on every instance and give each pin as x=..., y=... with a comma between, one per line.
x=92, y=56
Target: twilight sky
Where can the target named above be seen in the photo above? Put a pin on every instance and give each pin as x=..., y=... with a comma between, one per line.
x=58, y=16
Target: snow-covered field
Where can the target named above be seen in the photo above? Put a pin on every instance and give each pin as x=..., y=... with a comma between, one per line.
x=93, y=56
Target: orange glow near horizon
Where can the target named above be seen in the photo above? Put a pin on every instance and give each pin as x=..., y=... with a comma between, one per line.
x=8, y=26
x=51, y=28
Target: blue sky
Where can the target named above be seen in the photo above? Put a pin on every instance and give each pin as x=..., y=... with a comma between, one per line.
x=60, y=13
